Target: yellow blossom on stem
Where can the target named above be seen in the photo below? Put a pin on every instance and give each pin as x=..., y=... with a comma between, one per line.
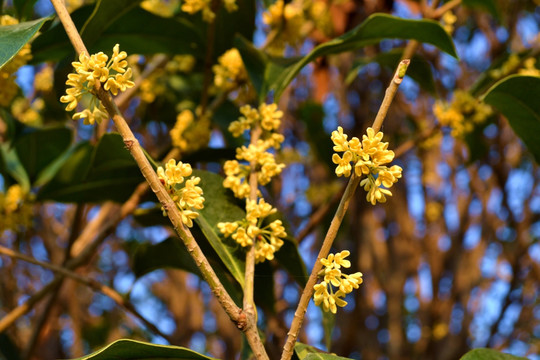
x=335, y=285
x=254, y=231
x=186, y=198
x=369, y=158
x=113, y=74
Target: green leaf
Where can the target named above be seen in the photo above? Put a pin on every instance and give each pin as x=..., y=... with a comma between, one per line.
x=312, y=115
x=14, y=37
x=170, y=253
x=306, y=352
x=289, y=258
x=220, y=206
x=158, y=35
x=516, y=97
x=13, y=166
x=137, y=350
x=228, y=24
x=419, y=69
x=489, y=354
x=375, y=28
x=141, y=32
x=255, y=62
x=328, y=322
x=94, y=174
x=105, y=13
x=24, y=8
x=487, y=5
x=40, y=147
x=8, y=349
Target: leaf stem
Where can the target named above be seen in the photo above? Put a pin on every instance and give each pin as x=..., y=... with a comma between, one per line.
x=331, y=234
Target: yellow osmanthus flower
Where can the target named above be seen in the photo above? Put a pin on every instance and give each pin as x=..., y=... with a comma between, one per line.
x=43, y=81
x=190, y=135
x=230, y=74
x=187, y=198
x=26, y=112
x=462, y=113
x=72, y=5
x=114, y=75
x=251, y=231
x=194, y=6
x=529, y=68
x=8, y=86
x=448, y=20
x=268, y=117
x=181, y=63
x=368, y=157
x=285, y=22
x=164, y=8
x=16, y=211
x=335, y=285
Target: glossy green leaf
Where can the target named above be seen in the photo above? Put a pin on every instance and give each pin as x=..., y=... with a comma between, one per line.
x=14, y=37
x=419, y=69
x=24, y=8
x=220, y=206
x=328, y=322
x=516, y=97
x=306, y=352
x=158, y=35
x=137, y=350
x=105, y=13
x=170, y=253
x=255, y=62
x=489, y=354
x=13, y=167
x=375, y=28
x=94, y=174
x=486, y=5
x=38, y=148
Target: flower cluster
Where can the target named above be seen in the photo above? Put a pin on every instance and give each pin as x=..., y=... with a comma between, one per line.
x=335, y=285
x=186, y=198
x=15, y=210
x=462, y=113
x=290, y=22
x=252, y=231
x=368, y=157
x=8, y=87
x=190, y=135
x=448, y=20
x=514, y=63
x=230, y=74
x=113, y=74
x=268, y=117
x=194, y=6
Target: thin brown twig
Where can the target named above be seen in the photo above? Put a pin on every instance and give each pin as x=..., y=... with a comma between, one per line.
x=354, y=181
x=95, y=285
x=132, y=144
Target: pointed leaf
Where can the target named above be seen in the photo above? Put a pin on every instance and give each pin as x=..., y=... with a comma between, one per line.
x=14, y=37
x=40, y=147
x=373, y=29
x=255, y=62
x=94, y=174
x=516, y=97
x=306, y=352
x=12, y=166
x=137, y=350
x=105, y=13
x=489, y=354
x=220, y=206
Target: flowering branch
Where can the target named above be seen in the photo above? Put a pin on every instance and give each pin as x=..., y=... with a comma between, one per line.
x=331, y=234
x=132, y=144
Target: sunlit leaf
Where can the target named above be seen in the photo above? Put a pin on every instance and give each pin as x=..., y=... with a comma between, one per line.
x=489, y=354
x=14, y=37
x=137, y=350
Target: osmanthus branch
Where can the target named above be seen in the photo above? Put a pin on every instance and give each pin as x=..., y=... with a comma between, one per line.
x=132, y=144
x=248, y=303
x=331, y=234
x=95, y=285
